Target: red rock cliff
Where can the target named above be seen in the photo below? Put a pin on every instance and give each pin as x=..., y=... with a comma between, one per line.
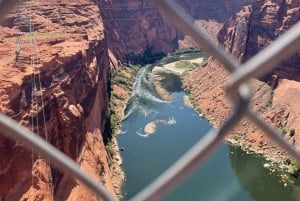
x=275, y=100
x=256, y=26
x=136, y=27
x=73, y=68
x=72, y=59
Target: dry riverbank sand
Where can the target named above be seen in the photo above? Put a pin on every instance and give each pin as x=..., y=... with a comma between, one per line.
x=278, y=108
x=206, y=85
x=156, y=78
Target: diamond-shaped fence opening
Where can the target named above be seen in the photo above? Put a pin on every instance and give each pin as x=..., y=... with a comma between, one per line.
x=238, y=91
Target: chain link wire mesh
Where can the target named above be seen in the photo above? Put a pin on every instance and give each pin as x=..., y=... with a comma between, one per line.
x=238, y=90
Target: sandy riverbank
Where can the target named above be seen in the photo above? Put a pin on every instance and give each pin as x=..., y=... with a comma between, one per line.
x=207, y=86
x=156, y=77
x=120, y=95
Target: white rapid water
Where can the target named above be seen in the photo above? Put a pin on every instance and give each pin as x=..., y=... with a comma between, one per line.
x=143, y=95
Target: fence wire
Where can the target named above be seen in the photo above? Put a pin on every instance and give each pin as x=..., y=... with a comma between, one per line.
x=238, y=91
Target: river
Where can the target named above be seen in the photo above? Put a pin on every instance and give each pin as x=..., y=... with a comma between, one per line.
x=230, y=174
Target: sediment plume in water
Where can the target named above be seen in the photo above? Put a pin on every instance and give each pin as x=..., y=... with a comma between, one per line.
x=143, y=95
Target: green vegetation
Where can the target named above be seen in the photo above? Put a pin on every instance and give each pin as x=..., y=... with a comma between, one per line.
x=292, y=132
x=189, y=50
x=268, y=103
x=185, y=65
x=293, y=167
x=114, y=122
x=237, y=137
x=122, y=78
x=282, y=130
x=271, y=99
x=288, y=161
x=193, y=101
x=191, y=53
x=110, y=149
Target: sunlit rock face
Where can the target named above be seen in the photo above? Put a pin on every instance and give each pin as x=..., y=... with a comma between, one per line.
x=72, y=76
x=137, y=28
x=77, y=44
x=256, y=26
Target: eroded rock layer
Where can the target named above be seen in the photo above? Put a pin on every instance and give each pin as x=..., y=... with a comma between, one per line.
x=256, y=26
x=138, y=28
x=71, y=73
x=56, y=82
x=275, y=99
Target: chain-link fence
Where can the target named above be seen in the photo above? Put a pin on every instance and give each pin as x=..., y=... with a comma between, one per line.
x=238, y=91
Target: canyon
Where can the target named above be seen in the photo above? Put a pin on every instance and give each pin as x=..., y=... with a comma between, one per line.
x=72, y=71
x=137, y=32
x=274, y=94
x=80, y=45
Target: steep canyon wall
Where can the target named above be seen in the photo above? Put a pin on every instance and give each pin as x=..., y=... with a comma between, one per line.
x=137, y=31
x=256, y=26
x=274, y=99
x=73, y=67
x=75, y=45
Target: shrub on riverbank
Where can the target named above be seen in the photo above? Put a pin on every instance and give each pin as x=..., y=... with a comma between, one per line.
x=122, y=80
x=185, y=65
x=193, y=101
x=190, y=50
x=292, y=132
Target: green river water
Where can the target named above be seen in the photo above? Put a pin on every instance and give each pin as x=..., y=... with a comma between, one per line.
x=230, y=174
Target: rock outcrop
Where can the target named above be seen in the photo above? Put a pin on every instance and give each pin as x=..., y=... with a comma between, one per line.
x=71, y=73
x=56, y=81
x=136, y=28
x=256, y=26
x=244, y=35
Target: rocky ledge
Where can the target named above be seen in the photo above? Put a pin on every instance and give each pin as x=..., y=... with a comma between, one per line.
x=274, y=98
x=67, y=61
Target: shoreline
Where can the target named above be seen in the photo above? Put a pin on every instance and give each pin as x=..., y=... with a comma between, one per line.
x=275, y=161
x=120, y=96
x=155, y=76
x=117, y=172
x=208, y=91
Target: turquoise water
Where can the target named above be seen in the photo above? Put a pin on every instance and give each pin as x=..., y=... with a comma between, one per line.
x=230, y=174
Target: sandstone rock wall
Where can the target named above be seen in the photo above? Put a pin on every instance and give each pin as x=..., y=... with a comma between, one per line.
x=136, y=27
x=77, y=43
x=74, y=69
x=256, y=26
x=244, y=35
